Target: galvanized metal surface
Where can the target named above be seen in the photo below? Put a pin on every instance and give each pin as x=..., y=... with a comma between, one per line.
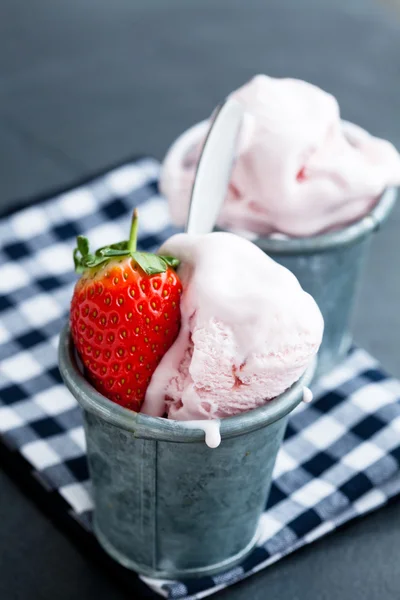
x=328, y=266
x=166, y=505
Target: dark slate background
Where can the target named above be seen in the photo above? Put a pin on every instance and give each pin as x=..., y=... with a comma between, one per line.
x=88, y=83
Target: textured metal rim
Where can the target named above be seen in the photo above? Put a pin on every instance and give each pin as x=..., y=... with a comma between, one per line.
x=334, y=239
x=157, y=428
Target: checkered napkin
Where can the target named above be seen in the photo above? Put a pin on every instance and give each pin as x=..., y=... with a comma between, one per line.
x=341, y=454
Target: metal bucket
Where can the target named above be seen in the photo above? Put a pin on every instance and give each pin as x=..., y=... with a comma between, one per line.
x=328, y=266
x=166, y=505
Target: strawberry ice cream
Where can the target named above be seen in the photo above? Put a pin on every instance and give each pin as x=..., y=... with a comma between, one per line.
x=248, y=331
x=299, y=170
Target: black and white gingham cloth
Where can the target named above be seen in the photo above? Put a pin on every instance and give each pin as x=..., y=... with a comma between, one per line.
x=341, y=454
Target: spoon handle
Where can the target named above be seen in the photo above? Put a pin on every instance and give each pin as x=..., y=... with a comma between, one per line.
x=214, y=168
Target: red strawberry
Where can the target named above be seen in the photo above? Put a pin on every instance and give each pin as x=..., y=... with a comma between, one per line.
x=125, y=315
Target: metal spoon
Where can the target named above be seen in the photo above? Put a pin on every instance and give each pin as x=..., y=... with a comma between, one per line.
x=214, y=168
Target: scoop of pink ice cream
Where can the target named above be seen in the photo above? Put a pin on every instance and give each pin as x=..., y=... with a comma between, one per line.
x=299, y=170
x=248, y=331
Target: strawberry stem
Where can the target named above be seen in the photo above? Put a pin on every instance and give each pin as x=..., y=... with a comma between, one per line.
x=133, y=232
x=150, y=263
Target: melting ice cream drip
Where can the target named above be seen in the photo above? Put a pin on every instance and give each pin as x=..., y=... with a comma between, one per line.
x=211, y=430
x=307, y=395
x=235, y=331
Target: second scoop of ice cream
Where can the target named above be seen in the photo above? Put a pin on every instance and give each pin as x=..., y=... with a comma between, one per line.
x=248, y=331
x=299, y=171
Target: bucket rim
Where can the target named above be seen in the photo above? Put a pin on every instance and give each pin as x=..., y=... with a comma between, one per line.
x=159, y=428
x=322, y=242
x=345, y=236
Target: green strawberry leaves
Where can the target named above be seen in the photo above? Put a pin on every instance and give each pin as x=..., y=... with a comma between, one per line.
x=81, y=254
x=83, y=245
x=150, y=263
